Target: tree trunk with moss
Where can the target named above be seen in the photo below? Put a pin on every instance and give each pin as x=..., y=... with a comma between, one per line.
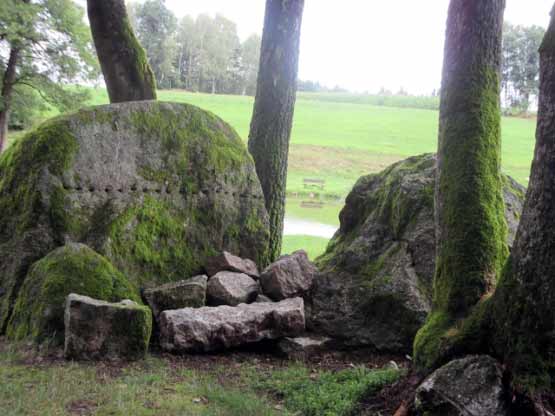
x=8, y=81
x=470, y=226
x=127, y=74
x=524, y=304
x=273, y=108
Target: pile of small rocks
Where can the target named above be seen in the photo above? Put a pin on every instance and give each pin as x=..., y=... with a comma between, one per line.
x=233, y=304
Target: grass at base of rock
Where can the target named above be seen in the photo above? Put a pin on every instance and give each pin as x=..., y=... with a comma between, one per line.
x=314, y=246
x=231, y=384
x=325, y=393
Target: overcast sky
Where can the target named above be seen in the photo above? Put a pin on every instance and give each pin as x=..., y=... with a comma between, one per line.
x=366, y=44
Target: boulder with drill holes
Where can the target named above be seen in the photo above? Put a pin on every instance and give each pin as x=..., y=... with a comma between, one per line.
x=99, y=330
x=183, y=294
x=228, y=262
x=215, y=328
x=154, y=188
x=230, y=288
x=288, y=277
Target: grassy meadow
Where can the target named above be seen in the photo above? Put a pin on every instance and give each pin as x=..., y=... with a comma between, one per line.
x=340, y=137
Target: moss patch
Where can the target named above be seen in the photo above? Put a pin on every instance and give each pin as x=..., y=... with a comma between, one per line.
x=74, y=268
x=49, y=148
x=472, y=237
x=152, y=241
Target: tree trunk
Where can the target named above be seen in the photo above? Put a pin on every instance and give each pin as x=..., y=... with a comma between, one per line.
x=470, y=226
x=272, y=118
x=524, y=304
x=8, y=82
x=123, y=61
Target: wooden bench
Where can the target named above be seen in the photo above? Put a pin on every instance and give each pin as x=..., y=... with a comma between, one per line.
x=314, y=183
x=312, y=204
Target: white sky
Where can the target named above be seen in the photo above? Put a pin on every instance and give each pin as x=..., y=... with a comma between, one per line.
x=366, y=44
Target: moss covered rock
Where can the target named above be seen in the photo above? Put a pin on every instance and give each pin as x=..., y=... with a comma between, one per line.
x=98, y=330
x=375, y=284
x=154, y=187
x=73, y=268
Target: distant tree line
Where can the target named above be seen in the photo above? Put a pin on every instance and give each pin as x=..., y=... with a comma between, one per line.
x=520, y=65
x=203, y=54
x=44, y=44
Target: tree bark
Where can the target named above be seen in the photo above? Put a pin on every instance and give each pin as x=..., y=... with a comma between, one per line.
x=272, y=119
x=8, y=83
x=524, y=304
x=470, y=226
x=123, y=60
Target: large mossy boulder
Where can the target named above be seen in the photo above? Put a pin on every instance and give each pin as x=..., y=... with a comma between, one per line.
x=73, y=268
x=156, y=188
x=375, y=282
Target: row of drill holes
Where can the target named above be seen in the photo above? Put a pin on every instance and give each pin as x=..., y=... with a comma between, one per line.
x=158, y=191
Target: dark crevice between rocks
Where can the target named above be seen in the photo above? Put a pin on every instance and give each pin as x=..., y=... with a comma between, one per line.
x=20, y=279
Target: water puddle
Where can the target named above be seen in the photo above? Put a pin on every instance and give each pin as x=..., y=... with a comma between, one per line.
x=296, y=226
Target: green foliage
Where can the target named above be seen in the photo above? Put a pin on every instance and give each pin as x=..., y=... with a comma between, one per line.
x=327, y=394
x=27, y=108
x=155, y=26
x=54, y=34
x=521, y=64
x=39, y=310
x=202, y=54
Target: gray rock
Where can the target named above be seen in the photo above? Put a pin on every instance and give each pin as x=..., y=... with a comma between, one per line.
x=375, y=284
x=471, y=386
x=98, y=330
x=183, y=294
x=156, y=188
x=228, y=262
x=262, y=299
x=303, y=347
x=229, y=288
x=209, y=328
x=290, y=276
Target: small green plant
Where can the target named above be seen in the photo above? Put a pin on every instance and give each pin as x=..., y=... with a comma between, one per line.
x=326, y=393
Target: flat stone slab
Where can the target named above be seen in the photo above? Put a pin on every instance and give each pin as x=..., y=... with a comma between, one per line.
x=209, y=329
x=183, y=294
x=229, y=262
x=230, y=288
x=98, y=330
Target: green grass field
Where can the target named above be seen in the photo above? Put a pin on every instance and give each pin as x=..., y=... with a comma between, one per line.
x=340, y=137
